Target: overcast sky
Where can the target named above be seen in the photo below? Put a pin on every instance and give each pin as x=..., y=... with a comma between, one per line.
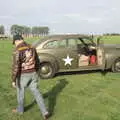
x=63, y=16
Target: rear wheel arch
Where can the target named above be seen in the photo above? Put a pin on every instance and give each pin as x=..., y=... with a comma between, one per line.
x=116, y=65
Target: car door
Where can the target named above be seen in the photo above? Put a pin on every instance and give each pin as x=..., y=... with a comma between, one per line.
x=71, y=54
x=77, y=50
x=58, y=49
x=100, y=54
x=66, y=54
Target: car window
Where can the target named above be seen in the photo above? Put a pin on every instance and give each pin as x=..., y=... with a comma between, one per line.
x=55, y=44
x=87, y=41
x=62, y=43
x=73, y=43
x=51, y=44
x=79, y=42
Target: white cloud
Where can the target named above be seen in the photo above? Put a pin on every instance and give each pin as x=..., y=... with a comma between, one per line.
x=95, y=20
x=7, y=17
x=75, y=18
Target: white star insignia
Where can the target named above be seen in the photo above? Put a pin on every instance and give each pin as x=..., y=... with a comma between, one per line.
x=67, y=60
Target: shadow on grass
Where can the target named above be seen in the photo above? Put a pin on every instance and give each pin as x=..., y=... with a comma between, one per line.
x=104, y=73
x=83, y=72
x=26, y=108
x=51, y=95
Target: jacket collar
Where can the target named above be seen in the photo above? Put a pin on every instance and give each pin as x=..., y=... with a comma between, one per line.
x=20, y=45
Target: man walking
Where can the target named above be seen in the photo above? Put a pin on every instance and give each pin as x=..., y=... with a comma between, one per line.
x=24, y=74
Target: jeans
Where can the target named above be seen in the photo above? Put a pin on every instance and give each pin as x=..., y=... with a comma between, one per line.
x=29, y=80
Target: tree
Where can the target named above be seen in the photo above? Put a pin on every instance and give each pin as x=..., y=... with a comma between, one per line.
x=2, y=29
x=45, y=30
x=37, y=31
x=24, y=30
x=34, y=31
x=14, y=29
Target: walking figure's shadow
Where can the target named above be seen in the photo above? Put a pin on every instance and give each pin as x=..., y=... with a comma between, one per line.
x=51, y=95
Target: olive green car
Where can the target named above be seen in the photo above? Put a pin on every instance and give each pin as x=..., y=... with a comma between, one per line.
x=62, y=53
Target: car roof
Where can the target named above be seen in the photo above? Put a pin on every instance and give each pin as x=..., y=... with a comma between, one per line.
x=67, y=36
x=62, y=36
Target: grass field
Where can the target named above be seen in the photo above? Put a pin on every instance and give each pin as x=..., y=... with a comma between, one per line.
x=80, y=96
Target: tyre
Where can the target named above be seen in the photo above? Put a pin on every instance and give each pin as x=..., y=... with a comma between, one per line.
x=46, y=70
x=116, y=65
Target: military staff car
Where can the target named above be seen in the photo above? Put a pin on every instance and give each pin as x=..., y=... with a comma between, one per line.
x=62, y=53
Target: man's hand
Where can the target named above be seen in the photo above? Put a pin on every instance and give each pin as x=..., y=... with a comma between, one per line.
x=14, y=84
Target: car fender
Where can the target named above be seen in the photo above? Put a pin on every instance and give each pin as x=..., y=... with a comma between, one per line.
x=110, y=57
x=44, y=57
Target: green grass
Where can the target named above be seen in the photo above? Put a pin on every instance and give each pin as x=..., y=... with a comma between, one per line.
x=78, y=96
x=111, y=39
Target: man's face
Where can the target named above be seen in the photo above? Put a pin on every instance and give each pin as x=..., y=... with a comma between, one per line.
x=17, y=42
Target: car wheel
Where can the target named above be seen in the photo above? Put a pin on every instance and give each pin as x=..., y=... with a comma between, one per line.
x=46, y=70
x=116, y=65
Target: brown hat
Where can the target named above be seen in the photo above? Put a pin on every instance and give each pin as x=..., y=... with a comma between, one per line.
x=17, y=37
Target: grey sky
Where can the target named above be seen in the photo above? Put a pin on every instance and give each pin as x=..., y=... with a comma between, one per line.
x=63, y=16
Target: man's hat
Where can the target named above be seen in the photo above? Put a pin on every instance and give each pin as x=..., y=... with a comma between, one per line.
x=17, y=37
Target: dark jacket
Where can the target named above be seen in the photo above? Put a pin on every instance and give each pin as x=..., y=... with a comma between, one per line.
x=25, y=60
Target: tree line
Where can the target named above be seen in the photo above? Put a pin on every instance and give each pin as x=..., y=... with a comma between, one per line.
x=111, y=34
x=2, y=29
x=26, y=31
